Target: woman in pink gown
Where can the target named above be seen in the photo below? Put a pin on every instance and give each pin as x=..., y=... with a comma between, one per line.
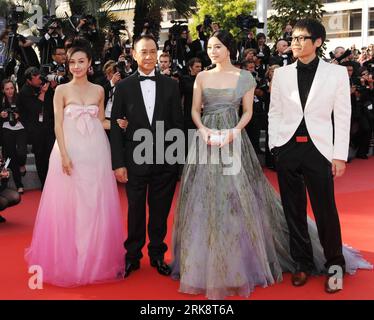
x=78, y=232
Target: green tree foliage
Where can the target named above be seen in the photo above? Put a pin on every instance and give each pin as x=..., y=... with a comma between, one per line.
x=289, y=12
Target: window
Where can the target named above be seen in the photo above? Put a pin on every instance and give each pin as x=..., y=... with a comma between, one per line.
x=371, y=22
x=343, y=24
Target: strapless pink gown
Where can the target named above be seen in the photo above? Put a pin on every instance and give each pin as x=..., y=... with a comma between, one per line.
x=78, y=234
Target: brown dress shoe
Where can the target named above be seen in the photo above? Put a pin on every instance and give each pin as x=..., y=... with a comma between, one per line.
x=299, y=279
x=332, y=284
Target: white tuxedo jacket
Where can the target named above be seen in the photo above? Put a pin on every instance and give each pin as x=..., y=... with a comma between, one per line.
x=330, y=93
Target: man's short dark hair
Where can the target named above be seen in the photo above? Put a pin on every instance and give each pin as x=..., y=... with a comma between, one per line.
x=192, y=61
x=54, y=49
x=314, y=28
x=146, y=37
x=31, y=72
x=347, y=64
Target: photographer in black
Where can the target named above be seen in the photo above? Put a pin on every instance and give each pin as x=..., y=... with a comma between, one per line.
x=180, y=46
x=19, y=54
x=36, y=112
x=14, y=139
x=364, y=103
x=86, y=27
x=114, y=46
x=58, y=65
x=199, y=46
x=51, y=39
x=263, y=50
x=287, y=35
x=8, y=197
x=282, y=55
x=259, y=115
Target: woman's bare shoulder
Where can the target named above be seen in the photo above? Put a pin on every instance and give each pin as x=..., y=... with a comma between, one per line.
x=97, y=88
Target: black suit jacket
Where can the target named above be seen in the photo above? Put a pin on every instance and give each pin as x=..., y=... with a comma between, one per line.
x=200, y=52
x=129, y=103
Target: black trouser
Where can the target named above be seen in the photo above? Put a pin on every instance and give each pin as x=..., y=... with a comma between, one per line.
x=8, y=198
x=42, y=140
x=15, y=147
x=253, y=129
x=160, y=187
x=301, y=166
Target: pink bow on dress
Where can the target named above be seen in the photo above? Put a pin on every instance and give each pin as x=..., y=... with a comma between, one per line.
x=83, y=115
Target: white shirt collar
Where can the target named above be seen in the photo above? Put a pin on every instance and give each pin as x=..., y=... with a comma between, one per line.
x=147, y=75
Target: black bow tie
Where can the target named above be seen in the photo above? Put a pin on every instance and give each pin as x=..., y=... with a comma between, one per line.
x=142, y=78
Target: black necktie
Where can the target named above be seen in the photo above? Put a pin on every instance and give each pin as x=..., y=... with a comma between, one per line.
x=142, y=78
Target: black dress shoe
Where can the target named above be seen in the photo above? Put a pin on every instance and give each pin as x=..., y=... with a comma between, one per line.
x=130, y=267
x=299, y=279
x=161, y=266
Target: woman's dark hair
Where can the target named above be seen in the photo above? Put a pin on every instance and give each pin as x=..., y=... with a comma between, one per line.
x=3, y=83
x=80, y=45
x=228, y=41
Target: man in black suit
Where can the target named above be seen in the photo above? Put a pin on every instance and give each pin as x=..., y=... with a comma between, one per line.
x=145, y=98
x=199, y=46
x=283, y=54
x=36, y=112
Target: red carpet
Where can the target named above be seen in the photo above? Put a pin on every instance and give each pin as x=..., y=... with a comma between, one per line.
x=355, y=200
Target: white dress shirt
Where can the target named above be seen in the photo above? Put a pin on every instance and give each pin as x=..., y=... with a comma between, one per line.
x=149, y=94
x=109, y=104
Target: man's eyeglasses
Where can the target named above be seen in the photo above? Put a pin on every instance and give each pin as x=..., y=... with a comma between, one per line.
x=301, y=39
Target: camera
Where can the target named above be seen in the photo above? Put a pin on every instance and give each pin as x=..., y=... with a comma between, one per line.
x=178, y=27
x=346, y=54
x=15, y=16
x=11, y=114
x=117, y=26
x=247, y=22
x=121, y=68
x=47, y=74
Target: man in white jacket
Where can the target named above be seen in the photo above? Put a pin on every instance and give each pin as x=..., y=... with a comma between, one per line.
x=309, y=123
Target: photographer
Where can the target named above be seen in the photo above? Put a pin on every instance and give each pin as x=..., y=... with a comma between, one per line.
x=59, y=61
x=113, y=76
x=184, y=52
x=263, y=51
x=36, y=112
x=258, y=117
x=53, y=38
x=282, y=55
x=287, y=35
x=164, y=64
x=8, y=197
x=3, y=46
x=13, y=133
x=86, y=28
x=199, y=46
x=364, y=115
x=179, y=46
